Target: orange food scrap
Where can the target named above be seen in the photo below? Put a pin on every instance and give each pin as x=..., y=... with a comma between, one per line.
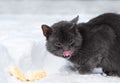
x=32, y=76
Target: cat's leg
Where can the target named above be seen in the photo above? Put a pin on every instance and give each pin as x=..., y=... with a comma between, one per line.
x=86, y=69
x=88, y=65
x=110, y=73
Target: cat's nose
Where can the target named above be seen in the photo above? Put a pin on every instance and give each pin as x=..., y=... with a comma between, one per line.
x=66, y=48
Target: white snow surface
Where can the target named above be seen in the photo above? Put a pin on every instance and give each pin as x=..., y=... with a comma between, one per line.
x=22, y=45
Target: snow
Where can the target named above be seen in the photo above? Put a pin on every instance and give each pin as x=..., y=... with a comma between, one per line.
x=22, y=45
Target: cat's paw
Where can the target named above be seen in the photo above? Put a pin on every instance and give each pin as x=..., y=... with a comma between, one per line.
x=85, y=70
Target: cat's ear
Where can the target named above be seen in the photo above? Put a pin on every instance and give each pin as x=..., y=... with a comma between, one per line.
x=46, y=30
x=75, y=20
x=73, y=28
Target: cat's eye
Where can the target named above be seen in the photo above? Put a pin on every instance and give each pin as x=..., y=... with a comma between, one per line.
x=58, y=44
x=71, y=42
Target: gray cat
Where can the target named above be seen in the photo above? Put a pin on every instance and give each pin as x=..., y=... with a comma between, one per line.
x=87, y=45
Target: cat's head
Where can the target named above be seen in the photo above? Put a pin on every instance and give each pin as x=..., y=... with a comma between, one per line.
x=63, y=38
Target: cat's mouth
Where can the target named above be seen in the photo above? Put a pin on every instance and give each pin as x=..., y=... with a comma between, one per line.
x=67, y=54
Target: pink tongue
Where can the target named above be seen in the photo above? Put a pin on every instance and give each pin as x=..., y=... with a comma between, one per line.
x=67, y=53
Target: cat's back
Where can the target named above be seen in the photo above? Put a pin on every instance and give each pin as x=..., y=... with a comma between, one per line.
x=107, y=18
x=105, y=22
x=111, y=20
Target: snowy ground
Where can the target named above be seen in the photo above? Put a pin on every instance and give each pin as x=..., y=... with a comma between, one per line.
x=22, y=44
